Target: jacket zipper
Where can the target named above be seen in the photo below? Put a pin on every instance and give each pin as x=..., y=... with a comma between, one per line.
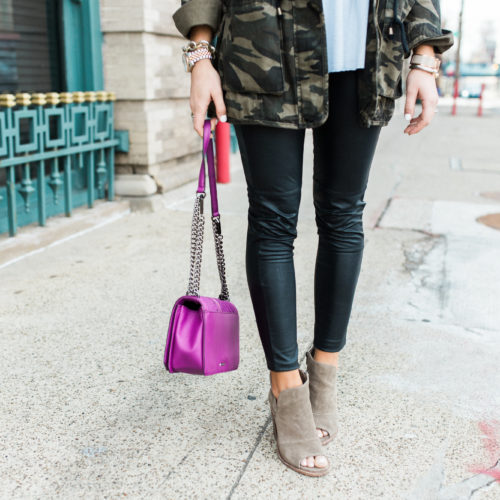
x=379, y=39
x=279, y=12
x=375, y=18
x=280, y=25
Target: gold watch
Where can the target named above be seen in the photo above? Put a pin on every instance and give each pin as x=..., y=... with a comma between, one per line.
x=425, y=60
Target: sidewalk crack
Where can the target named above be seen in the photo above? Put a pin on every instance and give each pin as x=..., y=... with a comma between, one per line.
x=260, y=435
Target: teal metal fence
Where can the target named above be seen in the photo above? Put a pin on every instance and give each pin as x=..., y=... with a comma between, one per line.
x=56, y=153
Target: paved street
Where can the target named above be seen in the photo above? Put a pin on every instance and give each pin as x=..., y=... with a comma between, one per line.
x=88, y=410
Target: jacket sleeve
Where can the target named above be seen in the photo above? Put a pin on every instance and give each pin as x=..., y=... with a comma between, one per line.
x=423, y=25
x=194, y=12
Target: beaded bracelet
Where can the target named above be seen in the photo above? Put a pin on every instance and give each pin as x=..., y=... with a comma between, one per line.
x=198, y=54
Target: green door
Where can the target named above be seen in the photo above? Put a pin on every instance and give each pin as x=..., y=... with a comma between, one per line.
x=52, y=157
x=82, y=45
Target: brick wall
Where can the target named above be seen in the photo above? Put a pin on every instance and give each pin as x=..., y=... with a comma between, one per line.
x=142, y=64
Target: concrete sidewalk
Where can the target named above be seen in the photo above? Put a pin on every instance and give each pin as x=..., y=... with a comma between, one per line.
x=88, y=410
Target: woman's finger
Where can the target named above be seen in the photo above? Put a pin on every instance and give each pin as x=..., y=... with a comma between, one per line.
x=427, y=112
x=213, y=123
x=415, y=126
x=198, y=121
x=411, y=98
x=220, y=106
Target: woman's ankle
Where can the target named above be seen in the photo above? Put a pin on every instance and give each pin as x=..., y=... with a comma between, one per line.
x=330, y=358
x=284, y=380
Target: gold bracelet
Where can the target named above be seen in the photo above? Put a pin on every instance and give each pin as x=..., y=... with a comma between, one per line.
x=433, y=71
x=192, y=45
x=425, y=60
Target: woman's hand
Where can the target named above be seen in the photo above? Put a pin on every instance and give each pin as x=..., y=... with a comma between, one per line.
x=420, y=84
x=205, y=86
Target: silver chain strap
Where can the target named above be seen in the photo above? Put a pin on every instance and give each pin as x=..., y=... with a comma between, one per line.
x=221, y=263
x=197, y=229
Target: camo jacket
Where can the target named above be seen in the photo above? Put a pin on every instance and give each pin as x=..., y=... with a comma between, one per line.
x=271, y=56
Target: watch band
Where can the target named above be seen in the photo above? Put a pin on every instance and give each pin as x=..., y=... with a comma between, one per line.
x=433, y=71
x=425, y=60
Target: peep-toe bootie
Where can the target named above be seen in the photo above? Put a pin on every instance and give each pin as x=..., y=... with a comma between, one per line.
x=294, y=429
x=323, y=394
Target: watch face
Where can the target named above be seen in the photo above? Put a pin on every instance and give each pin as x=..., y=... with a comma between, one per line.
x=186, y=61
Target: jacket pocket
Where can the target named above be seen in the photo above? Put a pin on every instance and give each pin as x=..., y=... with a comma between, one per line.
x=390, y=69
x=391, y=49
x=251, y=57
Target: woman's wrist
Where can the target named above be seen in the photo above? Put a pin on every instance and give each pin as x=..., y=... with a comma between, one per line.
x=424, y=49
x=424, y=69
x=200, y=32
x=202, y=62
x=199, y=47
x=424, y=59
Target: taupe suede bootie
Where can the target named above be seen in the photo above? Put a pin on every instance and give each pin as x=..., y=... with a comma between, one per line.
x=323, y=394
x=294, y=429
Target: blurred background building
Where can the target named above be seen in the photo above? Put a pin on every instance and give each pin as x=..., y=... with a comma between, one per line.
x=78, y=56
x=64, y=139
x=142, y=64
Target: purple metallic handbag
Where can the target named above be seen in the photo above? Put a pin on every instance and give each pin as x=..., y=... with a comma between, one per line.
x=203, y=332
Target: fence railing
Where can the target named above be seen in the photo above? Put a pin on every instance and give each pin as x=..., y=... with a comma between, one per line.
x=53, y=147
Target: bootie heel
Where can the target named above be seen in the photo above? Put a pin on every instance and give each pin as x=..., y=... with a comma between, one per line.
x=294, y=429
x=323, y=395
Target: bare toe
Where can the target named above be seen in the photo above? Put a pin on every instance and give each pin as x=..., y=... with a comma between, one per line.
x=321, y=461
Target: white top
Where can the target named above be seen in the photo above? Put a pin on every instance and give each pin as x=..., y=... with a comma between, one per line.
x=346, y=24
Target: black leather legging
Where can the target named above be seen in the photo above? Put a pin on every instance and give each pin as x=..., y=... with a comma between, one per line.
x=272, y=159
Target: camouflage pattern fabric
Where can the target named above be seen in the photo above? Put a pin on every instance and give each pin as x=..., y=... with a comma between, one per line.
x=274, y=69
